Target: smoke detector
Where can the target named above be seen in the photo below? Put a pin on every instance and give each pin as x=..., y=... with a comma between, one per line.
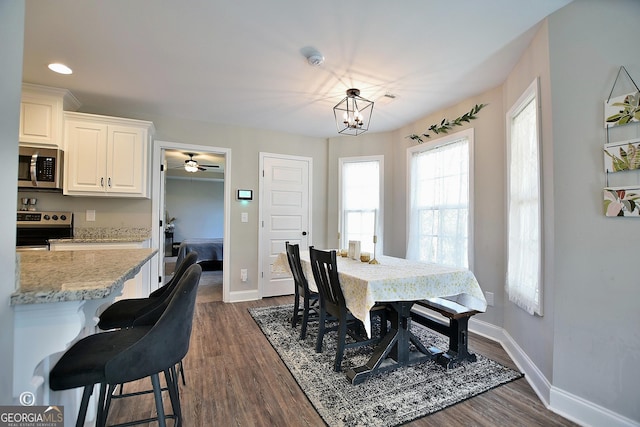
x=315, y=58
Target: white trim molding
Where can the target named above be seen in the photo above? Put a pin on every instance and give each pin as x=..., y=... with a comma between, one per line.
x=563, y=403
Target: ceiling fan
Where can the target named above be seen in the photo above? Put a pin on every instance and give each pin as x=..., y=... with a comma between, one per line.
x=191, y=165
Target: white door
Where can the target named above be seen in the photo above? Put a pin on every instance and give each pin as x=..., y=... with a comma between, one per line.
x=285, y=215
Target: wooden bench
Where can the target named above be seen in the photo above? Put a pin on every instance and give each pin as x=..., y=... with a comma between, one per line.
x=456, y=329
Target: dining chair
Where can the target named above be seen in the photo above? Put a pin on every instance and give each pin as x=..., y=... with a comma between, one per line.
x=126, y=313
x=125, y=355
x=334, y=308
x=310, y=300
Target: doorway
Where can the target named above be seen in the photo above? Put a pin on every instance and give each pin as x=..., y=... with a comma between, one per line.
x=170, y=159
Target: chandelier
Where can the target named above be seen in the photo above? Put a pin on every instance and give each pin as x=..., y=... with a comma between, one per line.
x=353, y=113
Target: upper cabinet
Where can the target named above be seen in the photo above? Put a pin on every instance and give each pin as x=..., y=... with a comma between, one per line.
x=41, y=110
x=106, y=156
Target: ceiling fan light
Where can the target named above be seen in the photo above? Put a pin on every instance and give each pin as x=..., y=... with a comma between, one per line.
x=191, y=166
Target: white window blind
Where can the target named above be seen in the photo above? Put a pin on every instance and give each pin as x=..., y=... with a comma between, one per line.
x=524, y=249
x=360, y=215
x=439, y=211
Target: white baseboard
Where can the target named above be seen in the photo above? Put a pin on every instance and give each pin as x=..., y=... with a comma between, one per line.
x=532, y=374
x=567, y=405
x=241, y=296
x=586, y=413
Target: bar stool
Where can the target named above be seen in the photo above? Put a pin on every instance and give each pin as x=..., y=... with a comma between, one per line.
x=125, y=355
x=128, y=313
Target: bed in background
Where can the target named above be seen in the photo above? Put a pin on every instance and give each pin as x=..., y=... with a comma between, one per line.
x=209, y=252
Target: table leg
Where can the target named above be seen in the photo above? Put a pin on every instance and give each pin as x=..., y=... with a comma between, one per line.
x=458, y=344
x=393, y=351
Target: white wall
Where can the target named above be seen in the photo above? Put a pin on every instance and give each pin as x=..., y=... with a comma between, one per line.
x=597, y=286
x=246, y=145
x=11, y=43
x=198, y=207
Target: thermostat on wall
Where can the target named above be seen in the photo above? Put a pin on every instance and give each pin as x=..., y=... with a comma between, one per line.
x=245, y=195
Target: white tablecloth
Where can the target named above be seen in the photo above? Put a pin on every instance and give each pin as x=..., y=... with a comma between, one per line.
x=395, y=279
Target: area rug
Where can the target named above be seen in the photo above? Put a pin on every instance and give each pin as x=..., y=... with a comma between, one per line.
x=387, y=399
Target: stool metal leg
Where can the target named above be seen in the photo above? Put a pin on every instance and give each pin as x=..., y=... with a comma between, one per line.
x=82, y=413
x=107, y=402
x=101, y=415
x=184, y=383
x=172, y=386
x=158, y=397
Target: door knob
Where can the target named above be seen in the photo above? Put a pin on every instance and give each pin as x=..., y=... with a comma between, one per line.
x=304, y=233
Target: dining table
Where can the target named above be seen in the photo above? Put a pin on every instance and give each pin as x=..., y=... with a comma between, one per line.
x=398, y=283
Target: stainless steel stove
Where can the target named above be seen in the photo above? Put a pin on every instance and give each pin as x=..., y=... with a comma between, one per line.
x=35, y=229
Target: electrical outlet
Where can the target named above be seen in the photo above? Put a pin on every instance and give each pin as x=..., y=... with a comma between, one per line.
x=489, y=297
x=91, y=215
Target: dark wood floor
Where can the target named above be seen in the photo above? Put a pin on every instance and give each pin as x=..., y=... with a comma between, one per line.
x=235, y=378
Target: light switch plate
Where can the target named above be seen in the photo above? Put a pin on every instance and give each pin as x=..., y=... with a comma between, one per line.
x=244, y=217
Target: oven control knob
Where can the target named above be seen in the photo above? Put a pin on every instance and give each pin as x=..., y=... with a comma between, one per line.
x=63, y=217
x=47, y=217
x=55, y=217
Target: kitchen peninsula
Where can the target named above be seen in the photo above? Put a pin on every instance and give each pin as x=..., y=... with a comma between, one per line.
x=57, y=297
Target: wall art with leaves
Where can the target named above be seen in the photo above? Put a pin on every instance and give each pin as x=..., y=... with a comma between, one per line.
x=620, y=201
x=622, y=109
x=622, y=156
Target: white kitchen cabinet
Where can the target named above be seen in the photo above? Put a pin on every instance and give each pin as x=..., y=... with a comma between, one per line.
x=139, y=286
x=41, y=111
x=106, y=156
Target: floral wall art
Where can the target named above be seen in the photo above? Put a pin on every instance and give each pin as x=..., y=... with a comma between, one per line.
x=622, y=202
x=622, y=109
x=622, y=156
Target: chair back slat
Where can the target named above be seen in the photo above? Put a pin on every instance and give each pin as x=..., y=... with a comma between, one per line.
x=325, y=274
x=293, y=256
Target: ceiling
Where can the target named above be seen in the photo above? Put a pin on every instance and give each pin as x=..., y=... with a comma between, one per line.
x=242, y=62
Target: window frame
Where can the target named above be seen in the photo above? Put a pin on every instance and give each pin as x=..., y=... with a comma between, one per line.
x=380, y=213
x=434, y=144
x=532, y=92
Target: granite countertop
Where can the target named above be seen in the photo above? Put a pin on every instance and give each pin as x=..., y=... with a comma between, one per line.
x=54, y=276
x=128, y=239
x=106, y=235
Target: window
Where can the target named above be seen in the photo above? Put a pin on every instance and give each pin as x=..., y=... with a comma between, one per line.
x=439, y=211
x=360, y=201
x=524, y=248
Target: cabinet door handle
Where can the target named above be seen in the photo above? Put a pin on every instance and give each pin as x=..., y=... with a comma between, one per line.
x=109, y=182
x=102, y=181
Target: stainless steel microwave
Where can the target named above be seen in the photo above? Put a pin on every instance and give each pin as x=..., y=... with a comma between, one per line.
x=40, y=168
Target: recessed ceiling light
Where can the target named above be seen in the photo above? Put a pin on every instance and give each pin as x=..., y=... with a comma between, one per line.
x=60, y=68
